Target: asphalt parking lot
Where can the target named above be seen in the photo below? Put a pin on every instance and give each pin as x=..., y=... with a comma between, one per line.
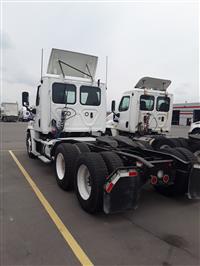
x=161, y=231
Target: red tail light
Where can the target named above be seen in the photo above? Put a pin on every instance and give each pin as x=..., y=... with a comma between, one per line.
x=154, y=179
x=133, y=173
x=165, y=179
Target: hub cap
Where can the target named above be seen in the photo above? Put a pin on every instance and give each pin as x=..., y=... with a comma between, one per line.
x=84, y=182
x=60, y=166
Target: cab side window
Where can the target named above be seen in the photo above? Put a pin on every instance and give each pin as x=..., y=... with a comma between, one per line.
x=124, y=104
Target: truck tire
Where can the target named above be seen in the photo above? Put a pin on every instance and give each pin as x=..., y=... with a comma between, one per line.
x=189, y=156
x=90, y=177
x=195, y=131
x=64, y=164
x=162, y=142
x=175, y=152
x=29, y=146
x=195, y=148
x=180, y=185
x=183, y=143
x=112, y=161
x=82, y=147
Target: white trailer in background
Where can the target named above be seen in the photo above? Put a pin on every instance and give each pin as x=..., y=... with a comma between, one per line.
x=9, y=112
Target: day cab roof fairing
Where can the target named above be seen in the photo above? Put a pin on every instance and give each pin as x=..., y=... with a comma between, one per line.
x=72, y=64
x=153, y=83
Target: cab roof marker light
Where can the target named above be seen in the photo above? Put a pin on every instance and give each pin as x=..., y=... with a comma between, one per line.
x=139, y=164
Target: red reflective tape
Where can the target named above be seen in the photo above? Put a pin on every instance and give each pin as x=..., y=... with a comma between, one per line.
x=109, y=187
x=133, y=173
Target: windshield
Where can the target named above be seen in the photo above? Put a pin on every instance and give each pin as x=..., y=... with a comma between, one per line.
x=90, y=95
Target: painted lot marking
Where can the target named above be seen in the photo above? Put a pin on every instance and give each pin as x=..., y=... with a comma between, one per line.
x=75, y=247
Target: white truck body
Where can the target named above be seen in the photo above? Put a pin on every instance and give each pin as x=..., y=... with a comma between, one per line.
x=147, y=107
x=9, y=111
x=71, y=76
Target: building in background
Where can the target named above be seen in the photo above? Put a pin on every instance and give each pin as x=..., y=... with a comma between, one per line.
x=185, y=113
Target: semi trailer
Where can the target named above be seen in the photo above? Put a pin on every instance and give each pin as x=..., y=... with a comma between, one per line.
x=106, y=172
x=9, y=112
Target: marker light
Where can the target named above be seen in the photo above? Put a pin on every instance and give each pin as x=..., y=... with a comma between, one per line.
x=165, y=179
x=154, y=179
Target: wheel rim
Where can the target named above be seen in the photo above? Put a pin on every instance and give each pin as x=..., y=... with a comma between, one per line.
x=197, y=155
x=60, y=166
x=29, y=145
x=84, y=182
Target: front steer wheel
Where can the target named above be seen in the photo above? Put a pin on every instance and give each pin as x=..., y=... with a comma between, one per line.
x=65, y=162
x=89, y=181
x=29, y=146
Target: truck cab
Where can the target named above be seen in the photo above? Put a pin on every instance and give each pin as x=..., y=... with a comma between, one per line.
x=145, y=109
x=68, y=99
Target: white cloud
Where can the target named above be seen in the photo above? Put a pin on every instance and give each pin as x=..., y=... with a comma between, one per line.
x=140, y=39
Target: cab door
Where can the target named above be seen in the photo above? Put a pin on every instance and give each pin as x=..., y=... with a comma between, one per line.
x=92, y=108
x=124, y=113
x=37, y=119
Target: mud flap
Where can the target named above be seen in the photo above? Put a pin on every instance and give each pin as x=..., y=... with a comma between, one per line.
x=124, y=195
x=194, y=182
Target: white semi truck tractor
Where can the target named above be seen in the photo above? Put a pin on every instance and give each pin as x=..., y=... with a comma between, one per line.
x=106, y=172
x=145, y=113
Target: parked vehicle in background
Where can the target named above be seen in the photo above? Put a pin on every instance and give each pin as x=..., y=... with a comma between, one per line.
x=24, y=114
x=9, y=112
x=195, y=128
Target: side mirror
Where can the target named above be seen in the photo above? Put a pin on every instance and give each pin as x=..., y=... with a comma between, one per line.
x=113, y=106
x=25, y=98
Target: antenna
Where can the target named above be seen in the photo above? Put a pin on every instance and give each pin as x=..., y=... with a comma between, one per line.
x=106, y=71
x=41, y=64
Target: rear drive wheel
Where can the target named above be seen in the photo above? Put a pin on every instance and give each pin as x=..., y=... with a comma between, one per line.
x=189, y=156
x=112, y=161
x=65, y=162
x=162, y=143
x=29, y=145
x=82, y=147
x=180, y=185
x=195, y=148
x=183, y=142
x=89, y=181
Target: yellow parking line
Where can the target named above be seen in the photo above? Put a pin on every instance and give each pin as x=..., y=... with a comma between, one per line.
x=77, y=250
